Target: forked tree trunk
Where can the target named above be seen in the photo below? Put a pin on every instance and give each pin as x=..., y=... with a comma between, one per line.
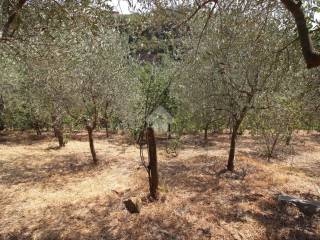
x=153, y=164
x=91, y=143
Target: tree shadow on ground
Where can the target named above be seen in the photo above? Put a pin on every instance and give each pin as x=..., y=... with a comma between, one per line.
x=17, y=172
x=194, y=141
x=283, y=222
x=200, y=172
x=189, y=175
x=235, y=197
x=17, y=137
x=312, y=169
x=116, y=139
x=81, y=221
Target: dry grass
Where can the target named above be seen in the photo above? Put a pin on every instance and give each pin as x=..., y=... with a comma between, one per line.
x=49, y=193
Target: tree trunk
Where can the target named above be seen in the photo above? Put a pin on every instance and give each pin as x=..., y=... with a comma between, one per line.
x=59, y=134
x=232, y=150
x=2, y=126
x=105, y=118
x=106, y=125
x=91, y=143
x=57, y=125
x=288, y=139
x=273, y=147
x=169, y=131
x=311, y=57
x=206, y=134
x=153, y=164
x=37, y=129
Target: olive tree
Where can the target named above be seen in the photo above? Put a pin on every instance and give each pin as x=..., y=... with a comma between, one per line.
x=276, y=123
x=243, y=64
x=73, y=63
x=97, y=65
x=302, y=12
x=197, y=89
x=141, y=95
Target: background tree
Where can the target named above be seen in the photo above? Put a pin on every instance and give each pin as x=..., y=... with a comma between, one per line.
x=244, y=64
x=276, y=123
x=97, y=65
x=199, y=94
x=299, y=10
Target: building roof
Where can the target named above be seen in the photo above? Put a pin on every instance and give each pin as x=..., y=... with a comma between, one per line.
x=160, y=113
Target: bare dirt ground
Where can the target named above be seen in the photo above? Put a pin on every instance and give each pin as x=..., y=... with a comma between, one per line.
x=48, y=193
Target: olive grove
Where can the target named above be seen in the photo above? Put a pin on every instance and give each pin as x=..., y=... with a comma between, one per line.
x=77, y=65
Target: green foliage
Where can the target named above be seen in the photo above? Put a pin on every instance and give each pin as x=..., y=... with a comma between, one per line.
x=276, y=123
x=82, y=64
x=148, y=89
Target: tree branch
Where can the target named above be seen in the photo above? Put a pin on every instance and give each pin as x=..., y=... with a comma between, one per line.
x=199, y=7
x=311, y=57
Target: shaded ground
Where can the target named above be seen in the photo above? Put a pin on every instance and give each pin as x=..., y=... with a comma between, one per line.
x=48, y=193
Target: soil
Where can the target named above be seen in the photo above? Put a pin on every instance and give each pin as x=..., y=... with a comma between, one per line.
x=52, y=193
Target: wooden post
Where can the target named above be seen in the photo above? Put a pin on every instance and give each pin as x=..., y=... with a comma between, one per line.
x=153, y=163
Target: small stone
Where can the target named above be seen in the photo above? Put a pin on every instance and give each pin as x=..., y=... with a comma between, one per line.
x=133, y=205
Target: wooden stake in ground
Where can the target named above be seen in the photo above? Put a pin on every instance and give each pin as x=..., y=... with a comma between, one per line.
x=153, y=163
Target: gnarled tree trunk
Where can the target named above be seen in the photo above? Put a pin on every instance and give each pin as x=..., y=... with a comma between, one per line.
x=153, y=163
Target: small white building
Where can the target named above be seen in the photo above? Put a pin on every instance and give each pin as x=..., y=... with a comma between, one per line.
x=161, y=120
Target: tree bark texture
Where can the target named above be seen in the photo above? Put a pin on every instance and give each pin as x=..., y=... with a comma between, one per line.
x=91, y=143
x=153, y=163
x=311, y=57
x=232, y=149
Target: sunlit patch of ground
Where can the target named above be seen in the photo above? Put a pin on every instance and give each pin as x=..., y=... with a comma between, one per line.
x=49, y=193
